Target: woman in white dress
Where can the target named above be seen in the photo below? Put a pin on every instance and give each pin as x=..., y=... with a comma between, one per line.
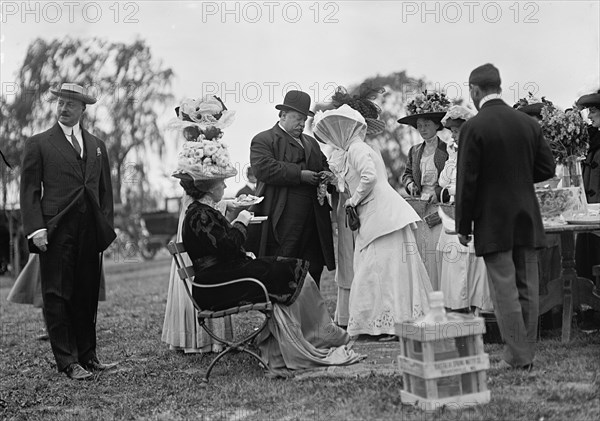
x=463, y=276
x=390, y=281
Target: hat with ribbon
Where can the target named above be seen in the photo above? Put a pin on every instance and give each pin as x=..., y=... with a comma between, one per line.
x=456, y=115
x=427, y=105
x=296, y=101
x=73, y=91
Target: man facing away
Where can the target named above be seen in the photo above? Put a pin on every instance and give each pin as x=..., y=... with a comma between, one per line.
x=67, y=209
x=502, y=154
x=289, y=165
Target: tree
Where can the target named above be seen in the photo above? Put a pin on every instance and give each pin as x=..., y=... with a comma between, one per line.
x=131, y=86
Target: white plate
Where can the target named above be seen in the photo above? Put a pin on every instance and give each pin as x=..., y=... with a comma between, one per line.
x=248, y=203
x=584, y=221
x=258, y=219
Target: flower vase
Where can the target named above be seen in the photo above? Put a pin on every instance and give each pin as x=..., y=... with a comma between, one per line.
x=573, y=178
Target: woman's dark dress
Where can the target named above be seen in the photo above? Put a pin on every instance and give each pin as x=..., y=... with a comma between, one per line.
x=216, y=249
x=587, y=251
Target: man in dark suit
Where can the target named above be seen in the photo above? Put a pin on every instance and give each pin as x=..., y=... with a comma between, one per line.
x=67, y=209
x=289, y=165
x=502, y=154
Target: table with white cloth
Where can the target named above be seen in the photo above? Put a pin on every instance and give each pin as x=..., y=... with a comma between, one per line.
x=569, y=289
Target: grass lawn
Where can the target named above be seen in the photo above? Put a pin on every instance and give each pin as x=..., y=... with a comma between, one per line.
x=152, y=383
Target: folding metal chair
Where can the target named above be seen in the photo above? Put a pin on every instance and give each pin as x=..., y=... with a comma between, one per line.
x=187, y=274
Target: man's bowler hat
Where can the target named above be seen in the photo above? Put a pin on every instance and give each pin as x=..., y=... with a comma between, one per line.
x=296, y=101
x=74, y=91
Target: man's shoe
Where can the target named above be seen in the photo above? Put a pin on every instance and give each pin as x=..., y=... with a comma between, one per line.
x=77, y=372
x=95, y=365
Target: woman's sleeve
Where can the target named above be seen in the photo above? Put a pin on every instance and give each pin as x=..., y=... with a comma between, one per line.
x=359, y=157
x=226, y=239
x=407, y=176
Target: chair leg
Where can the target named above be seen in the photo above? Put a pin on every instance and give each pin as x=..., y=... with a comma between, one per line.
x=214, y=361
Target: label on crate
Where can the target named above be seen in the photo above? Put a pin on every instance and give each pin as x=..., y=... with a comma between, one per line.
x=444, y=368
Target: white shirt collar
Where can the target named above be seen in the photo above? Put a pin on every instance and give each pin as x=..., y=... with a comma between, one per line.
x=488, y=98
x=76, y=130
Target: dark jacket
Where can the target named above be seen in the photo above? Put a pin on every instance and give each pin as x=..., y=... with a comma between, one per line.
x=49, y=160
x=412, y=173
x=274, y=160
x=591, y=167
x=502, y=154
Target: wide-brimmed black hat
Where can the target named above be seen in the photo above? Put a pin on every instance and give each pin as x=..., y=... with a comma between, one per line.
x=74, y=91
x=411, y=120
x=296, y=101
x=589, y=100
x=534, y=110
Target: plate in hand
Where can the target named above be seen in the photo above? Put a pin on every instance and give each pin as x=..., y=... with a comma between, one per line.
x=247, y=200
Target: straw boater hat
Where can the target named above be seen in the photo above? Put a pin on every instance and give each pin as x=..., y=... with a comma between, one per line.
x=73, y=91
x=429, y=106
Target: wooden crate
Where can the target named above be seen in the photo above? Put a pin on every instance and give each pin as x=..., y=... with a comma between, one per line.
x=443, y=364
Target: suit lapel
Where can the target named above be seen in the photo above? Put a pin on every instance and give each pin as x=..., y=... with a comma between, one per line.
x=58, y=139
x=91, y=150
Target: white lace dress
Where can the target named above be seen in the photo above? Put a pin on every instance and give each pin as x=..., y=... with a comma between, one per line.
x=390, y=282
x=181, y=330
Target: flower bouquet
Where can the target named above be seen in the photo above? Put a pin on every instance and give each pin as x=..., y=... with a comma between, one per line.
x=566, y=132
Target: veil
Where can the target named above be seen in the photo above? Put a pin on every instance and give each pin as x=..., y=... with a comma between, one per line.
x=340, y=128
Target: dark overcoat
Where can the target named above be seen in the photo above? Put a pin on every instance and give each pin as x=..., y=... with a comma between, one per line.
x=49, y=161
x=502, y=154
x=274, y=159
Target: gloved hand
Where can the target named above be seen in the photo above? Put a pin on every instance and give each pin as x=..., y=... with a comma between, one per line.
x=41, y=240
x=244, y=217
x=310, y=177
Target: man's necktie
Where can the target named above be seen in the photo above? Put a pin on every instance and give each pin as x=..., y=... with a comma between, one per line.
x=75, y=143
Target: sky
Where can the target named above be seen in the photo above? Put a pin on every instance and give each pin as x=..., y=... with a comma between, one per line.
x=251, y=53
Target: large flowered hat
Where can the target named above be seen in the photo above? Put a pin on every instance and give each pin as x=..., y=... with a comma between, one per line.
x=204, y=118
x=204, y=160
x=532, y=105
x=363, y=103
x=427, y=105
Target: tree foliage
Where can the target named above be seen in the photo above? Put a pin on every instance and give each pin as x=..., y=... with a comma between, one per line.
x=130, y=85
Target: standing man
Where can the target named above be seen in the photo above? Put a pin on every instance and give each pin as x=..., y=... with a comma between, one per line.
x=67, y=208
x=502, y=154
x=289, y=165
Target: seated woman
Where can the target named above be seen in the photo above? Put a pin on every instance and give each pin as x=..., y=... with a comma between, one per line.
x=463, y=276
x=301, y=333
x=426, y=160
